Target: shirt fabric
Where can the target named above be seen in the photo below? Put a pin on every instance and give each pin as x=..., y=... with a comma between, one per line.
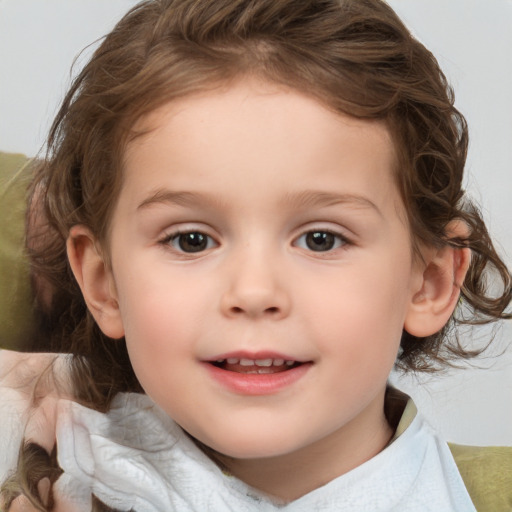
x=136, y=457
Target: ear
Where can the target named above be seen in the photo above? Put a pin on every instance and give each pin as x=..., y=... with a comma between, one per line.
x=94, y=276
x=442, y=276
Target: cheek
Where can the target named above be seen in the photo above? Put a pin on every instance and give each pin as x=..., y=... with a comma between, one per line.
x=157, y=300
x=158, y=338
x=362, y=313
x=162, y=316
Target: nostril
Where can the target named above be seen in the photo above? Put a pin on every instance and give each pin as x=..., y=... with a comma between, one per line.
x=238, y=310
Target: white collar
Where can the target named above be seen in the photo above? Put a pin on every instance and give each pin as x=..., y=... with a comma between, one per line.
x=135, y=457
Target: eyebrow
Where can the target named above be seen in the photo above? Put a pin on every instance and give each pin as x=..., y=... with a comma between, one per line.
x=180, y=198
x=319, y=199
x=300, y=200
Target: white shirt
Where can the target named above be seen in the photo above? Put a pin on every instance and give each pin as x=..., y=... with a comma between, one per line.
x=135, y=457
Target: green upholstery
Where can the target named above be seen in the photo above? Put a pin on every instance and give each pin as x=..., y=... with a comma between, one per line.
x=487, y=474
x=15, y=297
x=485, y=470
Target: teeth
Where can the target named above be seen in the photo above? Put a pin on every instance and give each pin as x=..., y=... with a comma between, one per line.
x=262, y=363
x=259, y=371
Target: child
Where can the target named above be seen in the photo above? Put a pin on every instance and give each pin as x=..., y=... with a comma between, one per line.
x=254, y=211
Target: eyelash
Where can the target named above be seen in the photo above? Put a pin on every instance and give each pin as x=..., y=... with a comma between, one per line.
x=339, y=241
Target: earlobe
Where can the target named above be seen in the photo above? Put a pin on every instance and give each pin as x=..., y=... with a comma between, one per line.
x=434, y=302
x=95, y=279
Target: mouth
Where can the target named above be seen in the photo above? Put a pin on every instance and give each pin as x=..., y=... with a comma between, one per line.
x=262, y=366
x=257, y=374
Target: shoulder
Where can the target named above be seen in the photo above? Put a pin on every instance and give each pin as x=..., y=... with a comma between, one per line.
x=487, y=474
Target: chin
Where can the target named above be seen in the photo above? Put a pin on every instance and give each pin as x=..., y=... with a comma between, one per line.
x=256, y=436
x=247, y=448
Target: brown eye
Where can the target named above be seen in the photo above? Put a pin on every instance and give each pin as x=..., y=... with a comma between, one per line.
x=191, y=242
x=320, y=241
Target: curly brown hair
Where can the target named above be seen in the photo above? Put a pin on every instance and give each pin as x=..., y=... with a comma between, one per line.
x=354, y=56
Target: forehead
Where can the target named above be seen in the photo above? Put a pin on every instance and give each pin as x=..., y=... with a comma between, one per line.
x=238, y=97
x=253, y=131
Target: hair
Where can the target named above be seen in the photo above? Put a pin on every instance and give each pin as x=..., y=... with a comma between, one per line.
x=354, y=56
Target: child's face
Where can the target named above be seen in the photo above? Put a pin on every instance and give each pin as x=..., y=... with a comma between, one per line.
x=255, y=224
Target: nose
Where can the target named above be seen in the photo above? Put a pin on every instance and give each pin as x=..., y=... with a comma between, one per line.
x=255, y=289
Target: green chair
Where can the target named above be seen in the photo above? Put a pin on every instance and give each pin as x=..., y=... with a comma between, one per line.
x=16, y=318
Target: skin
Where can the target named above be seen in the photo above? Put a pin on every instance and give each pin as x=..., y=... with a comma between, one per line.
x=39, y=377
x=255, y=168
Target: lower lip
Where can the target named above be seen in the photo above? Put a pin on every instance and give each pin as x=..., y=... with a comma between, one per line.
x=257, y=384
